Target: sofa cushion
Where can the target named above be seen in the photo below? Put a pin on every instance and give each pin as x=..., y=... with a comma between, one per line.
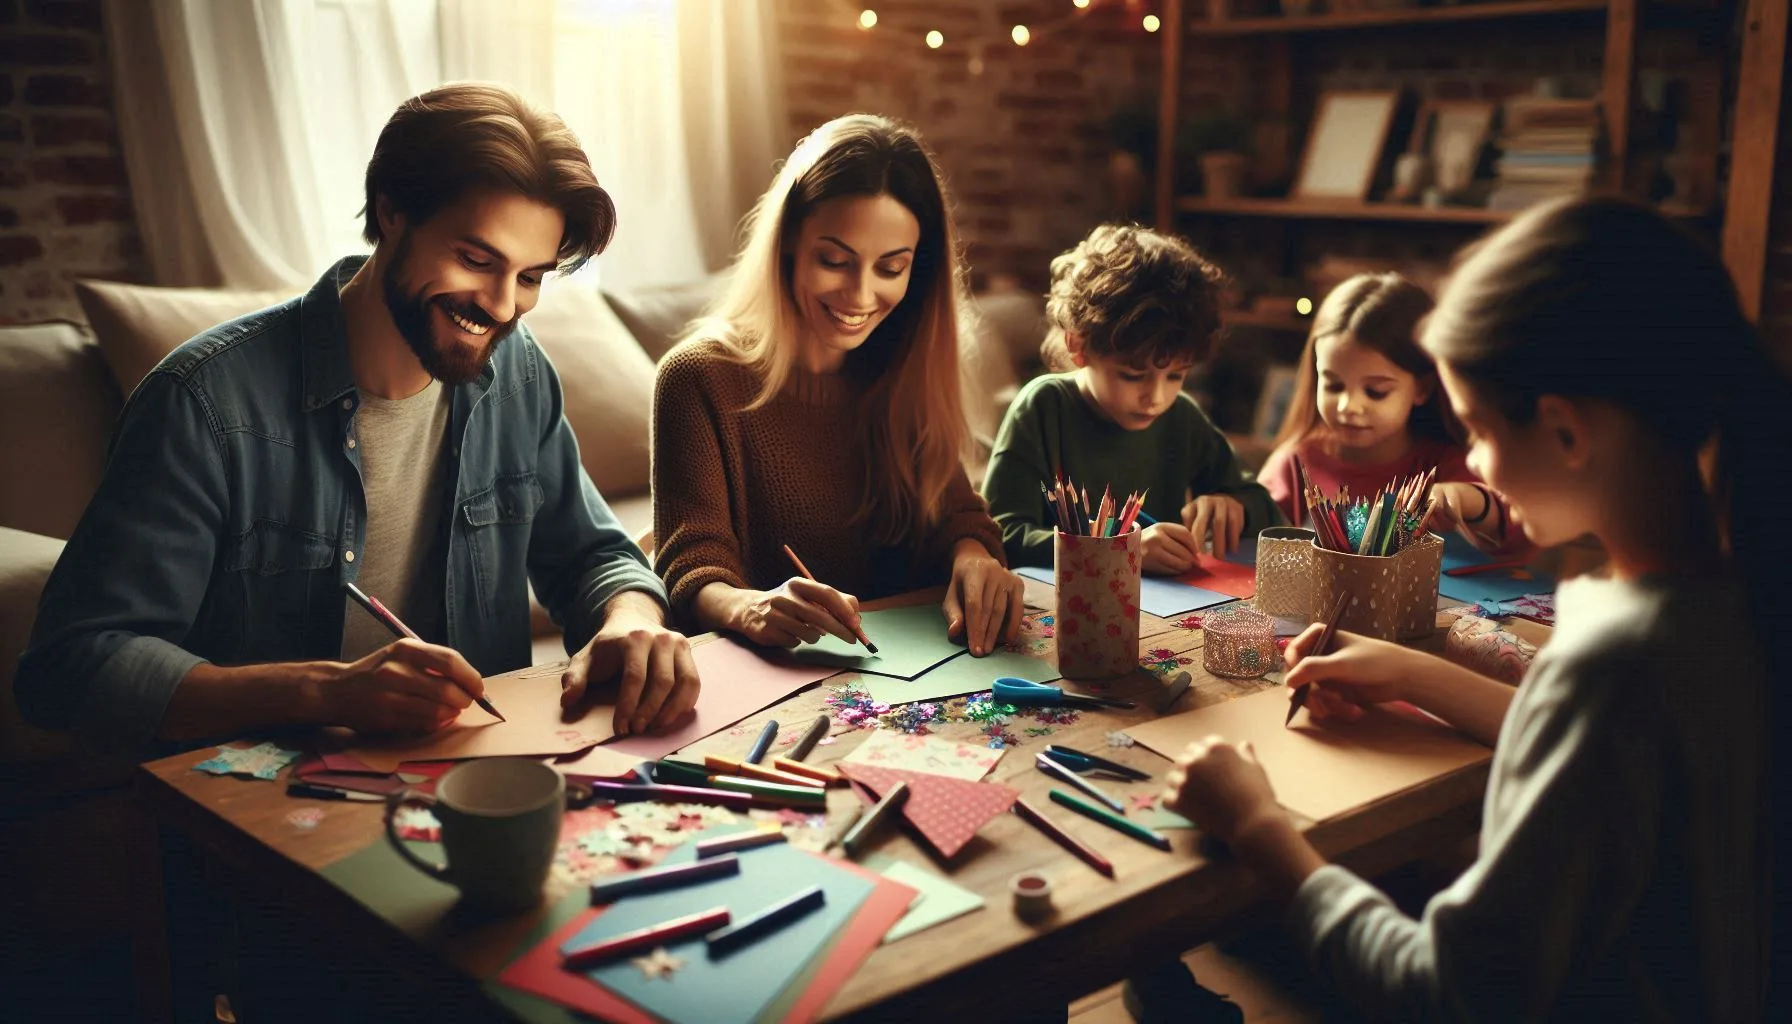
x=57, y=407
x=25, y=563
x=657, y=316
x=607, y=379
x=136, y=325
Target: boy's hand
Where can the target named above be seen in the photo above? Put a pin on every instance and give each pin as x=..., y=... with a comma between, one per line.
x=1216, y=514
x=1169, y=549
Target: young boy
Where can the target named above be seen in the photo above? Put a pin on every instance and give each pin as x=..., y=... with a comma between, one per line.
x=1132, y=311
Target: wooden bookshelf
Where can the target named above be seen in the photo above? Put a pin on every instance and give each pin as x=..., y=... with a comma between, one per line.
x=1405, y=16
x=1344, y=210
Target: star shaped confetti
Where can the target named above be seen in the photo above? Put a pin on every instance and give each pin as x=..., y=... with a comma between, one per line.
x=1143, y=801
x=658, y=964
x=262, y=761
x=1119, y=739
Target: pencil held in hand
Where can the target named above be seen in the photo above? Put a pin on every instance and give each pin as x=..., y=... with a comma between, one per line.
x=800, y=567
x=1299, y=698
x=391, y=622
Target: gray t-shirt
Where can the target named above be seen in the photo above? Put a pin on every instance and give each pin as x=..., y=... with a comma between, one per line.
x=1622, y=870
x=401, y=561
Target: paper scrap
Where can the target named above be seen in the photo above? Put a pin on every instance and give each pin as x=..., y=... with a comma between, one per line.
x=262, y=761
x=909, y=641
x=940, y=900
x=947, y=812
x=958, y=675
x=930, y=754
x=1323, y=769
x=658, y=964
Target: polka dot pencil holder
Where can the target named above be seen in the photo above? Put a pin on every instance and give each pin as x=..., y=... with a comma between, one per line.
x=1238, y=643
x=1392, y=597
x=1098, y=604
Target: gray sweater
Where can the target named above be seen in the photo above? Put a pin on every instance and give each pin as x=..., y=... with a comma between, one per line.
x=1622, y=875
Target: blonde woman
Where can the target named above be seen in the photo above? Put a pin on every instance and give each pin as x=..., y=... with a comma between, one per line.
x=818, y=406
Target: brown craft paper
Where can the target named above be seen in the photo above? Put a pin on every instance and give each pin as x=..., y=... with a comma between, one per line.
x=1098, y=605
x=529, y=699
x=1322, y=769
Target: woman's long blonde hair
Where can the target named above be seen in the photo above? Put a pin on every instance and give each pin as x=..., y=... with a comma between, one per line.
x=913, y=427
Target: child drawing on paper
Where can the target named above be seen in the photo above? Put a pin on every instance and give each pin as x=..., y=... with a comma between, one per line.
x=1624, y=852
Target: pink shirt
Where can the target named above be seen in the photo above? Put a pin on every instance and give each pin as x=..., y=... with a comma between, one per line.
x=1331, y=474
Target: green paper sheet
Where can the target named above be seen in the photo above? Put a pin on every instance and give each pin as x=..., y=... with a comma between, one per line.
x=963, y=674
x=909, y=642
x=1159, y=818
x=390, y=887
x=940, y=901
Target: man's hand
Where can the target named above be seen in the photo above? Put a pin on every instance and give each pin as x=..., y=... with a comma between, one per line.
x=405, y=686
x=656, y=677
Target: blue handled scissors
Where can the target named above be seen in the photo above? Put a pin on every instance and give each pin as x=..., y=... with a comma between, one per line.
x=1026, y=693
x=1078, y=761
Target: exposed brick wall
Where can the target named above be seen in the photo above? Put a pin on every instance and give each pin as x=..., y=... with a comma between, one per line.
x=65, y=208
x=1023, y=143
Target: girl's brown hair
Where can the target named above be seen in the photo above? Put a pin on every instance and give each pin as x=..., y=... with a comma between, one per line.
x=468, y=135
x=1382, y=312
x=912, y=425
x=1134, y=294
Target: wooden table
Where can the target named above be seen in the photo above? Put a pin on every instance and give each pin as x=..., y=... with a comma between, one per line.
x=1158, y=904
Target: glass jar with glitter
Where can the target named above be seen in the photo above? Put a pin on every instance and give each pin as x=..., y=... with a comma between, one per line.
x=1238, y=643
x=1097, y=624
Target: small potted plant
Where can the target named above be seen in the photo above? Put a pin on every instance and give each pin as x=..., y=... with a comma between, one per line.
x=1132, y=134
x=1220, y=141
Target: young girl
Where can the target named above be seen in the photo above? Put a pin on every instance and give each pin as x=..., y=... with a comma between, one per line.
x=1367, y=411
x=1132, y=311
x=1592, y=350
x=818, y=407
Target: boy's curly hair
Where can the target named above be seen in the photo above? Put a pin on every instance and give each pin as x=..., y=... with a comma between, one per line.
x=1136, y=294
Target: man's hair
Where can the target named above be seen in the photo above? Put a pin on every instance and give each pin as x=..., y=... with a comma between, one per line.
x=475, y=135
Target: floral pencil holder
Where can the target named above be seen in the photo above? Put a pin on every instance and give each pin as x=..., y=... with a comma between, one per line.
x=1480, y=644
x=1098, y=604
x=1238, y=643
x=1392, y=597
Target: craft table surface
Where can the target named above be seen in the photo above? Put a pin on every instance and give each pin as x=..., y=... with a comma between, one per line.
x=1159, y=903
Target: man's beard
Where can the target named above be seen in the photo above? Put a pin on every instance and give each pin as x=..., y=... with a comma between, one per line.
x=451, y=363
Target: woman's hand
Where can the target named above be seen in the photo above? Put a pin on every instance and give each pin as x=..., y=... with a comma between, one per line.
x=1169, y=549
x=1357, y=671
x=800, y=611
x=1218, y=514
x=984, y=602
x=1221, y=788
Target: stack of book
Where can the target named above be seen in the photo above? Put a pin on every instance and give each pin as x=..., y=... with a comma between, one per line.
x=1548, y=150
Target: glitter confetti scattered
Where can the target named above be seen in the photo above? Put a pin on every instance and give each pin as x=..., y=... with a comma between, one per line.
x=606, y=839
x=262, y=761
x=1036, y=731
x=1119, y=739
x=1190, y=622
x=416, y=823
x=658, y=964
x=305, y=818
x=1163, y=661
x=1143, y=801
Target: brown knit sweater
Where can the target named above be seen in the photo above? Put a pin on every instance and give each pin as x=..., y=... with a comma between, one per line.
x=731, y=487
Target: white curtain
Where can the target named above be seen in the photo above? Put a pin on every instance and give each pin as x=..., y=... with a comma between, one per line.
x=247, y=124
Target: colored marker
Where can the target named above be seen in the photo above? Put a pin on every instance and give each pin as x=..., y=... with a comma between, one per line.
x=646, y=938
x=1057, y=835
x=735, y=842
x=843, y=826
x=825, y=776
x=763, y=743
x=866, y=825
x=729, y=766
x=766, y=921
x=1051, y=767
x=1113, y=821
x=628, y=792
x=664, y=877
x=679, y=773
x=773, y=792
x=811, y=736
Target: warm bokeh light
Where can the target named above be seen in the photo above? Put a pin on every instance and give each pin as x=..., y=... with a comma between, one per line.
x=867, y=18
x=935, y=39
x=974, y=65
x=1020, y=35
x=1151, y=23
x=1080, y=4
x=1303, y=305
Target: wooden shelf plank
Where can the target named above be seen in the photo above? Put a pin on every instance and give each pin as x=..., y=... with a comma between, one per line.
x=1342, y=210
x=1290, y=322
x=1405, y=16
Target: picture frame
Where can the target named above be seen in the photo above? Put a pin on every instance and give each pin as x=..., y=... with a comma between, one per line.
x=1344, y=144
x=1439, y=119
x=1273, y=400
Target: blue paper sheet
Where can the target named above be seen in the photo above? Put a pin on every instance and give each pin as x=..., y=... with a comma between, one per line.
x=1480, y=587
x=1160, y=597
x=737, y=988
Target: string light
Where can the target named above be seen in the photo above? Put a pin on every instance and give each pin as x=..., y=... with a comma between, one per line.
x=1080, y=4
x=1151, y=23
x=1303, y=305
x=935, y=39
x=867, y=18
x=1020, y=35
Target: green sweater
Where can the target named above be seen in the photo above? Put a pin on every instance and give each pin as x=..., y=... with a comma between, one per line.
x=1051, y=427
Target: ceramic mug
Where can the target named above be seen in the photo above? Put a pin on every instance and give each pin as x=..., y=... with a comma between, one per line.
x=500, y=826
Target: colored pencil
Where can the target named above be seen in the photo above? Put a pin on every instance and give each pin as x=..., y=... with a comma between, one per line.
x=678, y=773
x=800, y=567
x=628, y=792
x=647, y=938
x=1051, y=767
x=1299, y=698
x=1472, y=570
x=837, y=830
x=811, y=736
x=772, y=792
x=862, y=830
x=766, y=921
x=1111, y=820
x=393, y=623
x=1057, y=835
x=666, y=876
x=734, y=842
x=763, y=743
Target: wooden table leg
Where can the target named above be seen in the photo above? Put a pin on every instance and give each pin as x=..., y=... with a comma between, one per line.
x=151, y=964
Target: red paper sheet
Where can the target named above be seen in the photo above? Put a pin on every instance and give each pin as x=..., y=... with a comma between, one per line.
x=947, y=812
x=1221, y=577
x=538, y=971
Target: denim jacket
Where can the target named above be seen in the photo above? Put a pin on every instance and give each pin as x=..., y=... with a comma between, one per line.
x=231, y=514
